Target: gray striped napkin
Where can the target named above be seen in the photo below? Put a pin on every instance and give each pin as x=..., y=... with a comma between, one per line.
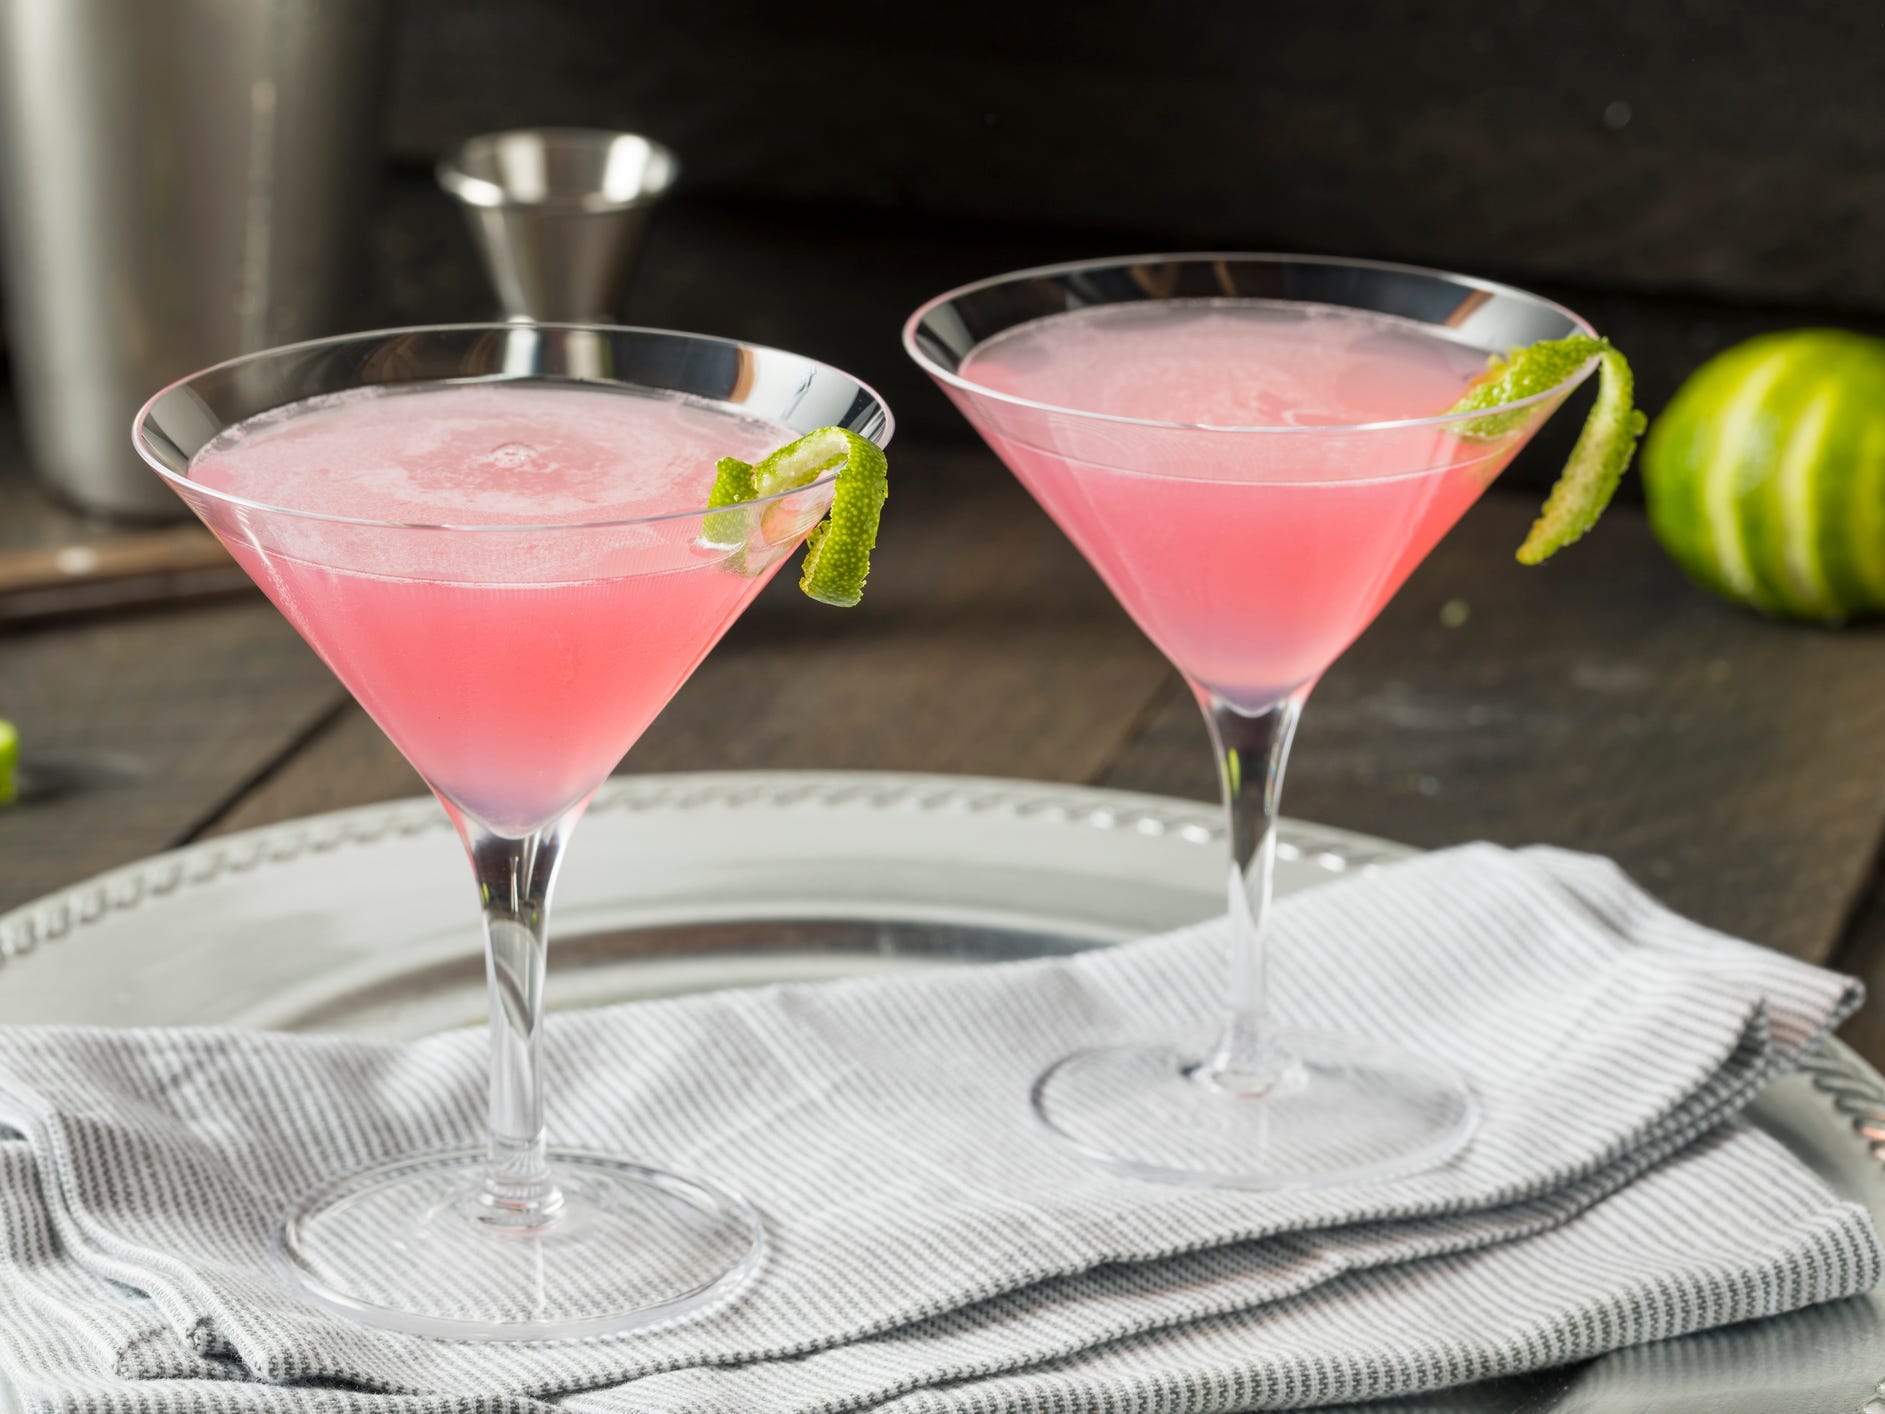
x=933, y=1251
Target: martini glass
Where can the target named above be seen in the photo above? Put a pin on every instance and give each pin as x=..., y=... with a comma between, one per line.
x=1252, y=551
x=498, y=538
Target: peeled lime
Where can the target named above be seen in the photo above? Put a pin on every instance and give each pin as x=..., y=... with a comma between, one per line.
x=1766, y=475
x=9, y=761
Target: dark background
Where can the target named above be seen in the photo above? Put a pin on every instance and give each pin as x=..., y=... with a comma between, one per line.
x=1683, y=172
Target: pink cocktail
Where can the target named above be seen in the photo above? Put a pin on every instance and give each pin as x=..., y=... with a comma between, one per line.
x=1251, y=573
x=1254, y=453
x=499, y=538
x=512, y=680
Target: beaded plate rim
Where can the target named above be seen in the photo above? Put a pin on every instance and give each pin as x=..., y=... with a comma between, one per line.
x=1856, y=1091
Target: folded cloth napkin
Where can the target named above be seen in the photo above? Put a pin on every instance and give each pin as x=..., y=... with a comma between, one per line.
x=932, y=1250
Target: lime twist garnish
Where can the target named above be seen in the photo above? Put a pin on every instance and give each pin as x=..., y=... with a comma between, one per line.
x=732, y=484
x=9, y=761
x=1603, y=449
x=838, y=551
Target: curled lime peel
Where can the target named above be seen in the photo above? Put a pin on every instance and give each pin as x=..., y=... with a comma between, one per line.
x=838, y=550
x=1604, y=448
x=723, y=529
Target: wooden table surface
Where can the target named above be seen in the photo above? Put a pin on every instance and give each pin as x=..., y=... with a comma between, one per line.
x=1734, y=766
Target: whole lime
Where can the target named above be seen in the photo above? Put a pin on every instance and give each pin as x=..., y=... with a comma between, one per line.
x=1766, y=475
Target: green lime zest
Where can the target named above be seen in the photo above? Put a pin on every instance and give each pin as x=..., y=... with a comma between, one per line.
x=838, y=551
x=732, y=486
x=1604, y=448
x=9, y=761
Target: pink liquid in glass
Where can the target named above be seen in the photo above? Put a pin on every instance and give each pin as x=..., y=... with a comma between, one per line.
x=1251, y=558
x=512, y=667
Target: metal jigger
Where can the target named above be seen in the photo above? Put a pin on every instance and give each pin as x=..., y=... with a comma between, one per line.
x=557, y=213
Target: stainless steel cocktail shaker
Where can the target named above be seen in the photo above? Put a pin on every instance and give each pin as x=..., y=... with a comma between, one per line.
x=180, y=182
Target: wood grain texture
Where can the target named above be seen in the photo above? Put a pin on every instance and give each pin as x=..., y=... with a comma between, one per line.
x=983, y=645
x=1862, y=953
x=132, y=555
x=136, y=730
x=1731, y=764
x=344, y=762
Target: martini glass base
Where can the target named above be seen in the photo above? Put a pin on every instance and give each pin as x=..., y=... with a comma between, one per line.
x=1329, y=1111
x=407, y=1246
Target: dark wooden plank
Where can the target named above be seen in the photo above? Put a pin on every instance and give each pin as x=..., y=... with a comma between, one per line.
x=1731, y=764
x=1862, y=953
x=136, y=730
x=983, y=645
x=347, y=761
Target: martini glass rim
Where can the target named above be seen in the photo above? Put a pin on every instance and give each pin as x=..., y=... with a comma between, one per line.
x=952, y=378
x=181, y=479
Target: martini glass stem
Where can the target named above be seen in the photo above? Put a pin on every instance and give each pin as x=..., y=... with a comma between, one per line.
x=515, y=877
x=1252, y=750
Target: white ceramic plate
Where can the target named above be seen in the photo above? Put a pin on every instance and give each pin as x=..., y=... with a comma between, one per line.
x=363, y=920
